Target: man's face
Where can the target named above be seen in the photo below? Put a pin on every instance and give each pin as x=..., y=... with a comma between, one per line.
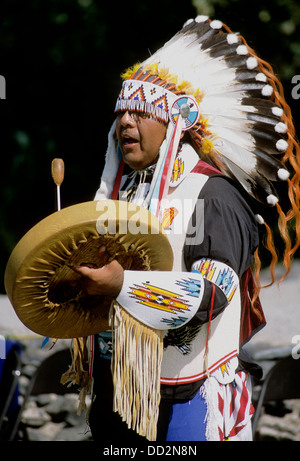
x=139, y=139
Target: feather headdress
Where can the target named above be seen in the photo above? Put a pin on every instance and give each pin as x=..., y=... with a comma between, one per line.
x=208, y=81
x=244, y=127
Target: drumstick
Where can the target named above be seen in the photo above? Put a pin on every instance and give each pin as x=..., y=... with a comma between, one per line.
x=58, y=171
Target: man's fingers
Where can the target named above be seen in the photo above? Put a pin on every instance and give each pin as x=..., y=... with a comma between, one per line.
x=106, y=280
x=86, y=269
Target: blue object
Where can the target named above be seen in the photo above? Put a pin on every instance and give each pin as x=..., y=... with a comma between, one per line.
x=187, y=420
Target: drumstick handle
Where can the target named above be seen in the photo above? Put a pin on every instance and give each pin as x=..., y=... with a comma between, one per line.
x=58, y=172
x=58, y=198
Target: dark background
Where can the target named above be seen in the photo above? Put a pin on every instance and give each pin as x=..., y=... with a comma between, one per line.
x=62, y=59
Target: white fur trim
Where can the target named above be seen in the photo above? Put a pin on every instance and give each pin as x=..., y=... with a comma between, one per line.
x=281, y=145
x=201, y=18
x=260, y=77
x=272, y=200
x=267, y=90
x=251, y=63
x=161, y=156
x=225, y=420
x=189, y=21
x=283, y=174
x=232, y=38
x=277, y=111
x=110, y=168
x=216, y=24
x=259, y=219
x=209, y=391
x=280, y=127
x=242, y=50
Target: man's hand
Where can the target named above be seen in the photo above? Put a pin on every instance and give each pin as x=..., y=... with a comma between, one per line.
x=107, y=280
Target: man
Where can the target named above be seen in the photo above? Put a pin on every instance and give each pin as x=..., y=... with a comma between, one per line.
x=202, y=135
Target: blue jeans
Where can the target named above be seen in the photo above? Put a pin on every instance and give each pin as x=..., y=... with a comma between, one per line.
x=187, y=420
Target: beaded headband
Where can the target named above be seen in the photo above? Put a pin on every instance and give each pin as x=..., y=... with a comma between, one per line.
x=145, y=97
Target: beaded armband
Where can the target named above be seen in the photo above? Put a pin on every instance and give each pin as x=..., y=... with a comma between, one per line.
x=218, y=273
x=159, y=299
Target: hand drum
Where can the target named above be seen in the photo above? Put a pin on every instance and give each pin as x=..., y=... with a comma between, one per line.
x=40, y=283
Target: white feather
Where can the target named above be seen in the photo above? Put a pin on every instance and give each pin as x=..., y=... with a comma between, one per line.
x=187, y=48
x=234, y=151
